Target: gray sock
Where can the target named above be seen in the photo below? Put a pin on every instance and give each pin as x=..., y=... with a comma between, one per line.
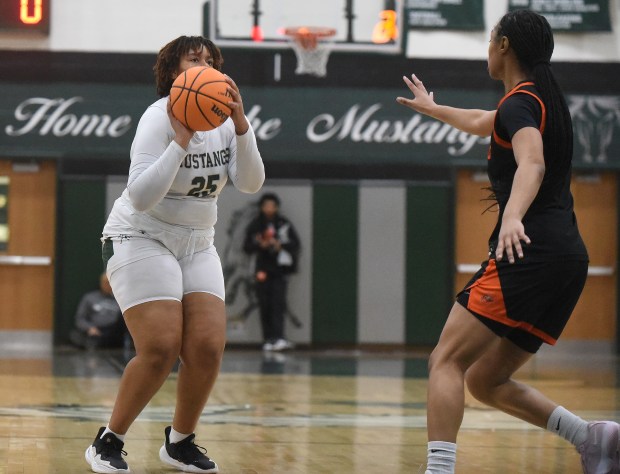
x=568, y=425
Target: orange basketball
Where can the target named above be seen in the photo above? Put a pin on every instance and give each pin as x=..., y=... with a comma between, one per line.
x=199, y=98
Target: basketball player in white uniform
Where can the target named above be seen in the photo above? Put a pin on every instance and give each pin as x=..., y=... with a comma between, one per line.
x=163, y=267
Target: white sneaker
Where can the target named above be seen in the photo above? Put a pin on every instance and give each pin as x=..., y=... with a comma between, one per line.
x=599, y=452
x=268, y=346
x=282, y=345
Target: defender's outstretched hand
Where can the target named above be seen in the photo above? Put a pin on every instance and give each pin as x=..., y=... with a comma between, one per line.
x=422, y=101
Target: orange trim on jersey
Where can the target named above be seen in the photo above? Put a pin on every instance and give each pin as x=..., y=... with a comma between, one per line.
x=500, y=141
x=487, y=300
x=517, y=90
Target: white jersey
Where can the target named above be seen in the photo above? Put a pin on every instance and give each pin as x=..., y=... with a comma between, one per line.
x=181, y=187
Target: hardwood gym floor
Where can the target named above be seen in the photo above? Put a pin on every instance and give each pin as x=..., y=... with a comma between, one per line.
x=330, y=411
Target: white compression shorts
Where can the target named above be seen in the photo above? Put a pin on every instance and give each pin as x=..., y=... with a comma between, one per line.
x=164, y=262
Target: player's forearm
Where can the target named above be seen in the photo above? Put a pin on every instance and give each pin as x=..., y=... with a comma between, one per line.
x=150, y=182
x=249, y=170
x=474, y=121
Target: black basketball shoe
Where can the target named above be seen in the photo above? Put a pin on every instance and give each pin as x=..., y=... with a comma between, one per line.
x=185, y=455
x=106, y=454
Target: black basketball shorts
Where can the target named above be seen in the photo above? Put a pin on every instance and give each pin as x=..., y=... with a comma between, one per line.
x=527, y=302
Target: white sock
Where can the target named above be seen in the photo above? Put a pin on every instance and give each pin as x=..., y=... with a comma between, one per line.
x=108, y=430
x=175, y=436
x=568, y=425
x=441, y=457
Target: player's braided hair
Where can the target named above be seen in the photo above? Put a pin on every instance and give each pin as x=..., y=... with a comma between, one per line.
x=531, y=38
x=167, y=64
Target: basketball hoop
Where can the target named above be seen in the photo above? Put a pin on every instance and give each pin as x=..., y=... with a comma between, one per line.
x=312, y=45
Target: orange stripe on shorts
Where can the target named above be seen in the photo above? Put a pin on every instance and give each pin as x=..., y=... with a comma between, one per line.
x=487, y=299
x=485, y=295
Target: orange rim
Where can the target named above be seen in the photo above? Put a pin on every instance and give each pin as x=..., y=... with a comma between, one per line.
x=309, y=31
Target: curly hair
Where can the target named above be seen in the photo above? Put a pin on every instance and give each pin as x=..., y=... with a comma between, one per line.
x=168, y=58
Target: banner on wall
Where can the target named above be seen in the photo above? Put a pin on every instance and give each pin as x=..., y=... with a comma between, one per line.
x=310, y=125
x=4, y=213
x=445, y=14
x=570, y=15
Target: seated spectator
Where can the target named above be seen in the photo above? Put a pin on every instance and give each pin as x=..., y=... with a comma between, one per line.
x=98, y=320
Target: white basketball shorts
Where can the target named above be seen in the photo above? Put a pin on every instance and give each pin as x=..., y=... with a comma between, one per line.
x=158, y=261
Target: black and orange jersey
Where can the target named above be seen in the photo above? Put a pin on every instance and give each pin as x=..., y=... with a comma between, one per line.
x=550, y=222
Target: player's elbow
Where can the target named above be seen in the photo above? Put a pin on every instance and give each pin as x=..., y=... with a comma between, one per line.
x=138, y=203
x=252, y=188
x=535, y=168
x=253, y=185
x=540, y=171
x=481, y=129
x=483, y=126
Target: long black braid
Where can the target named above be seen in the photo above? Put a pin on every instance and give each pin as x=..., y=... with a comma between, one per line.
x=530, y=36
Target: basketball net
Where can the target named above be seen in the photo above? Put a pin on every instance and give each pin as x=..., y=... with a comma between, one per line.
x=312, y=46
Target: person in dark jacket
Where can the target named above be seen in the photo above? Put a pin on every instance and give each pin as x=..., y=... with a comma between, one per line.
x=98, y=320
x=274, y=241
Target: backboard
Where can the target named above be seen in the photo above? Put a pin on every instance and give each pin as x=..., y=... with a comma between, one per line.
x=361, y=25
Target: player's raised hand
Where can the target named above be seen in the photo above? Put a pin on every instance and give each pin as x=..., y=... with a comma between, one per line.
x=236, y=105
x=422, y=100
x=182, y=134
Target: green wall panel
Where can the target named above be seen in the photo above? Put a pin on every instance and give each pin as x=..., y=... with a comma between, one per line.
x=334, y=279
x=429, y=269
x=79, y=264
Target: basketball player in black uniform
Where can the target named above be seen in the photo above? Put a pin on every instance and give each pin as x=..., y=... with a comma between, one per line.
x=525, y=292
